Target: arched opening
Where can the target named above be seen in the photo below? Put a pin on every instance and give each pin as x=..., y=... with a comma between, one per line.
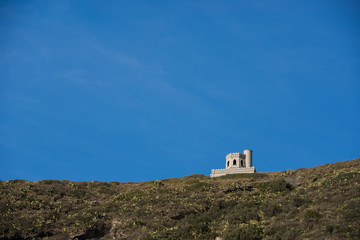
x=228, y=163
x=242, y=163
x=234, y=162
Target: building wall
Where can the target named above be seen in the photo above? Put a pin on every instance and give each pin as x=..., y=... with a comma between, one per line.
x=236, y=163
x=238, y=157
x=222, y=172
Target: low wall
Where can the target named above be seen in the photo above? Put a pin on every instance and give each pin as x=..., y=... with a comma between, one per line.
x=222, y=172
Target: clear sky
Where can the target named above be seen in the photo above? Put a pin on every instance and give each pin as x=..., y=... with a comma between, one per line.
x=146, y=90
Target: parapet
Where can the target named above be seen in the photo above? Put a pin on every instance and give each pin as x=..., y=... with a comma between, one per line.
x=235, y=155
x=222, y=172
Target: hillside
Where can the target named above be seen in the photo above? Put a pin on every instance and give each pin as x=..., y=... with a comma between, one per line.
x=317, y=203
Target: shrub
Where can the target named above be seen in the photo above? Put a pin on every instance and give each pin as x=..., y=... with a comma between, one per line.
x=50, y=182
x=311, y=214
x=105, y=190
x=244, y=175
x=298, y=201
x=352, y=210
x=137, y=193
x=158, y=183
x=290, y=235
x=198, y=186
x=194, y=177
x=271, y=209
x=244, y=212
x=78, y=193
x=275, y=186
x=17, y=181
x=245, y=232
x=289, y=172
x=344, y=177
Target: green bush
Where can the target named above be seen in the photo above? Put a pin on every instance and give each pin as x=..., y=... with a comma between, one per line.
x=198, y=186
x=352, y=211
x=245, y=232
x=50, y=182
x=275, y=186
x=244, y=175
x=106, y=190
x=345, y=177
x=298, y=201
x=137, y=193
x=271, y=209
x=244, y=212
x=311, y=214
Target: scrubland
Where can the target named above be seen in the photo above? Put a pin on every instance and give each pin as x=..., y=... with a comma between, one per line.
x=316, y=203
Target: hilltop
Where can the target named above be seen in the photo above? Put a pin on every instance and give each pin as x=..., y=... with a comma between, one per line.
x=316, y=203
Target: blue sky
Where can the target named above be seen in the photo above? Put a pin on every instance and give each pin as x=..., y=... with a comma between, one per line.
x=146, y=90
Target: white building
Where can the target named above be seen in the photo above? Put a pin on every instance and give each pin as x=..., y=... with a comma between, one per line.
x=236, y=163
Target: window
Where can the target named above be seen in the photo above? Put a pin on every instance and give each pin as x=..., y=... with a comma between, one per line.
x=228, y=163
x=242, y=163
x=234, y=162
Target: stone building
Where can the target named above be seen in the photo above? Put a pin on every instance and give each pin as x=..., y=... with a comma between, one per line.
x=236, y=163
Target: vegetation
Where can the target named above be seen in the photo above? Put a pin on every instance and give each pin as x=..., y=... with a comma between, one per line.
x=321, y=202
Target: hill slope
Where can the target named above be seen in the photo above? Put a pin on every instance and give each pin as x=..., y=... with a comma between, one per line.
x=317, y=203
